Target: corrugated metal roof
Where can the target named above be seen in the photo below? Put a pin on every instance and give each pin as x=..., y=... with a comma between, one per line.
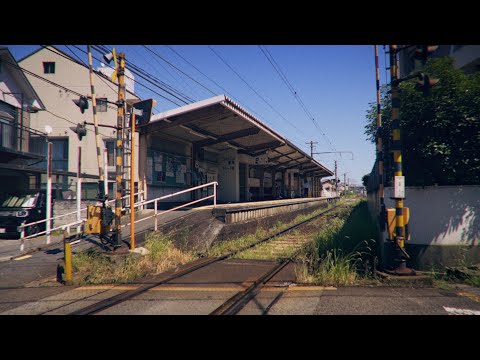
x=245, y=140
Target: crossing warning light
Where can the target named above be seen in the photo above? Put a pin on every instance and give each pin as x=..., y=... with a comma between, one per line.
x=143, y=111
x=425, y=83
x=80, y=130
x=82, y=103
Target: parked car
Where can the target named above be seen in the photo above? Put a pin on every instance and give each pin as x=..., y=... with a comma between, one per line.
x=16, y=209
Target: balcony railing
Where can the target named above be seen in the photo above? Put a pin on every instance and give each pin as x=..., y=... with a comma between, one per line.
x=15, y=137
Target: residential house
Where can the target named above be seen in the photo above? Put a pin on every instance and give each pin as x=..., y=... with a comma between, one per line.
x=62, y=113
x=19, y=170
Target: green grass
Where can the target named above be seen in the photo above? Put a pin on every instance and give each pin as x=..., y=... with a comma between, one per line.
x=91, y=267
x=342, y=253
x=236, y=244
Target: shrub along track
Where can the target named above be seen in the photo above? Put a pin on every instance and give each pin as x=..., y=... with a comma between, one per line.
x=235, y=303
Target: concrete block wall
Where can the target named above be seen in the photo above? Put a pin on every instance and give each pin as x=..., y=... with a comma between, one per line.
x=444, y=224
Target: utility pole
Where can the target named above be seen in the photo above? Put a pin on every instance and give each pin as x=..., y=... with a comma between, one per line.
x=119, y=151
x=399, y=179
x=382, y=215
x=101, y=185
x=336, y=181
x=311, y=147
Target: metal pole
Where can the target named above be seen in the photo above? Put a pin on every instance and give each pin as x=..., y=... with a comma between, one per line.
x=67, y=254
x=215, y=195
x=105, y=161
x=119, y=151
x=95, y=122
x=49, y=189
x=379, y=145
x=336, y=182
x=401, y=269
x=156, y=212
x=132, y=182
x=79, y=187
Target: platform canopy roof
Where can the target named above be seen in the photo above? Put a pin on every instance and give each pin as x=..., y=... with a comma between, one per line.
x=220, y=124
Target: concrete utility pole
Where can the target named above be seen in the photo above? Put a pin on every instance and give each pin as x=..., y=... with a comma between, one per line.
x=119, y=150
x=311, y=147
x=399, y=180
x=49, y=189
x=336, y=182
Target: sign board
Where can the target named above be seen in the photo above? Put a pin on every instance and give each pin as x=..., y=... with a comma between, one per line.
x=399, y=187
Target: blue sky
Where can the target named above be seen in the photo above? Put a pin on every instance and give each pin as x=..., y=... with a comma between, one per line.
x=335, y=82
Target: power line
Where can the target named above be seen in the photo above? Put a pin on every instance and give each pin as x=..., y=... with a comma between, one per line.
x=176, y=79
x=176, y=68
x=151, y=79
x=102, y=51
x=256, y=92
x=213, y=81
x=284, y=78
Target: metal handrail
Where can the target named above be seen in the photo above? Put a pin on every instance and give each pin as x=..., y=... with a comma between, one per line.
x=70, y=213
x=155, y=201
x=138, y=204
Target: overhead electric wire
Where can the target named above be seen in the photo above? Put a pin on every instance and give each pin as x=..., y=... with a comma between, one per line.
x=135, y=80
x=284, y=78
x=183, y=85
x=250, y=87
x=176, y=68
x=229, y=93
x=160, y=84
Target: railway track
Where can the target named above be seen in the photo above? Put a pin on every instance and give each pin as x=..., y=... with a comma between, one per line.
x=231, y=306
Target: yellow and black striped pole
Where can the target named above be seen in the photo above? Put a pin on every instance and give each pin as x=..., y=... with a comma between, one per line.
x=379, y=145
x=119, y=151
x=401, y=268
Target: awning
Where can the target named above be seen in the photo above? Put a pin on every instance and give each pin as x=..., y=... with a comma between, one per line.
x=219, y=124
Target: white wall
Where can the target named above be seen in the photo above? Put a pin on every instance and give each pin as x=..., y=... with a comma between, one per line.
x=58, y=101
x=442, y=215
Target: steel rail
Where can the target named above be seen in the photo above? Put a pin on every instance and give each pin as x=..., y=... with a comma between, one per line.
x=117, y=299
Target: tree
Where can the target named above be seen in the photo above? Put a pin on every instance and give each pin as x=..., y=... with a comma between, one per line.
x=440, y=133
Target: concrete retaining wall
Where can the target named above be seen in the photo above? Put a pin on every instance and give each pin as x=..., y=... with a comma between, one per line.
x=444, y=224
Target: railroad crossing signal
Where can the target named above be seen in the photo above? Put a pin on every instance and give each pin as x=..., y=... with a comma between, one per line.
x=80, y=130
x=425, y=83
x=143, y=111
x=82, y=103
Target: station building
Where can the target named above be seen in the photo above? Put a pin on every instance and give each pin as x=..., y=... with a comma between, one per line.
x=218, y=140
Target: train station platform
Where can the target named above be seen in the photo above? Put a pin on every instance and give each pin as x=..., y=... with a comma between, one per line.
x=239, y=212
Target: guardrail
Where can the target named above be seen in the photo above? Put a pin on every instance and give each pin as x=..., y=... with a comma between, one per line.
x=141, y=203
x=22, y=227
x=155, y=202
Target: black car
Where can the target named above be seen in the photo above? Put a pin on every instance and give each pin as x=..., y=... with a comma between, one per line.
x=16, y=209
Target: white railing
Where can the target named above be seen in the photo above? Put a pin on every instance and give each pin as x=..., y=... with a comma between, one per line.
x=24, y=226
x=155, y=202
x=141, y=203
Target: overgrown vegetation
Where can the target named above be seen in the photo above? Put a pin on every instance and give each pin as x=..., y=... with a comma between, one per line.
x=228, y=246
x=440, y=132
x=91, y=267
x=342, y=252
